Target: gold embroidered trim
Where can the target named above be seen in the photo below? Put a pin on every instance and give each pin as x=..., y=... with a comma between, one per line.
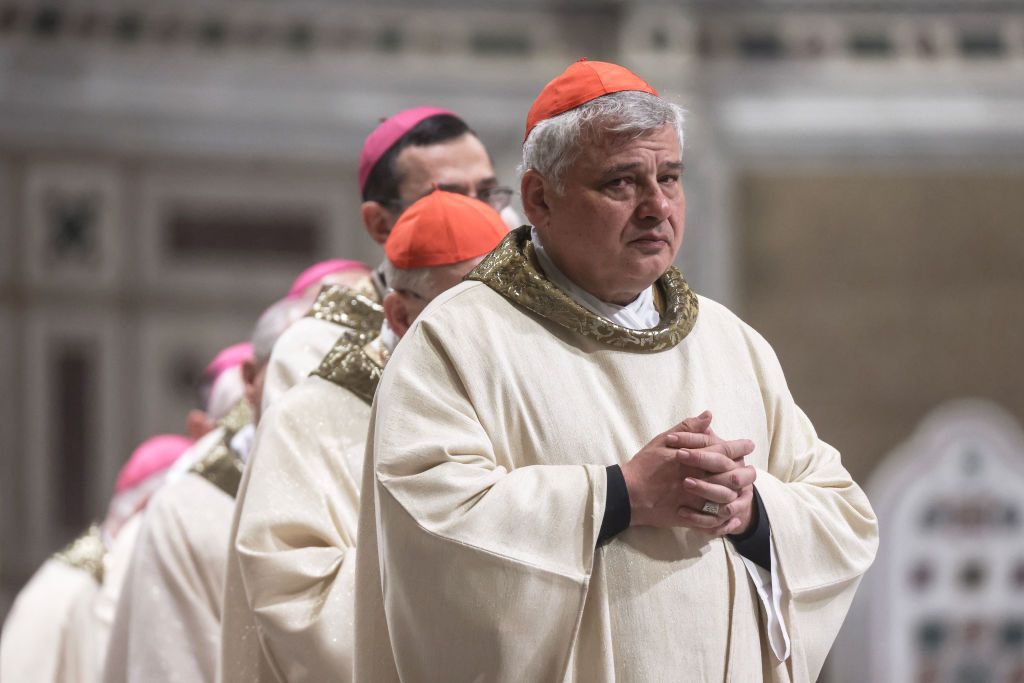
x=239, y=416
x=86, y=553
x=348, y=307
x=349, y=365
x=222, y=467
x=508, y=270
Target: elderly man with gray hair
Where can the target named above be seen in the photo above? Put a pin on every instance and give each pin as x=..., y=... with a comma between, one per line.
x=545, y=498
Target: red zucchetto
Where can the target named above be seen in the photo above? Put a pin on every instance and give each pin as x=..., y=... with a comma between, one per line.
x=443, y=228
x=581, y=82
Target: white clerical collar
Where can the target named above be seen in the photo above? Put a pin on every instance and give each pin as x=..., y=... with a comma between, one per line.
x=387, y=337
x=241, y=442
x=385, y=343
x=639, y=314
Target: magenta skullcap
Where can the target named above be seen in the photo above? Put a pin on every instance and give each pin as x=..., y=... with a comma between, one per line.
x=153, y=456
x=228, y=358
x=387, y=134
x=310, y=276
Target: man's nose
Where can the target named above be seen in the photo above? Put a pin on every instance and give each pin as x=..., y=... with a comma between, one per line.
x=654, y=204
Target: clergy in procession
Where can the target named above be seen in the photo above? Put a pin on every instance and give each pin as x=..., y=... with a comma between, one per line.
x=57, y=627
x=402, y=159
x=224, y=420
x=288, y=602
x=168, y=622
x=582, y=470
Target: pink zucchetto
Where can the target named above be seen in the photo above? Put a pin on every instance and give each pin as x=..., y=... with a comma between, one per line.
x=387, y=134
x=317, y=272
x=153, y=456
x=230, y=357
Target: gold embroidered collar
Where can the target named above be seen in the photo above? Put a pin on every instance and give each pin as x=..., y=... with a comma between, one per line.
x=348, y=307
x=86, y=553
x=510, y=270
x=222, y=466
x=354, y=365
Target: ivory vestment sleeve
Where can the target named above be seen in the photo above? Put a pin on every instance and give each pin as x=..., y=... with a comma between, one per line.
x=824, y=530
x=522, y=538
x=295, y=540
x=167, y=626
x=34, y=645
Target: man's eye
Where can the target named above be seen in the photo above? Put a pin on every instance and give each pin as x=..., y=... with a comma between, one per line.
x=667, y=179
x=616, y=183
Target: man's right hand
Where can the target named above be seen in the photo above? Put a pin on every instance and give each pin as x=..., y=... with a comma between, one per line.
x=655, y=477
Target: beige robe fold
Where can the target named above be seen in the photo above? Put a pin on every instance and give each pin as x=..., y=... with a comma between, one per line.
x=167, y=626
x=484, y=491
x=38, y=642
x=288, y=607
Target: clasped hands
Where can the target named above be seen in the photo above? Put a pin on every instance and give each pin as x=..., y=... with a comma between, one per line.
x=671, y=478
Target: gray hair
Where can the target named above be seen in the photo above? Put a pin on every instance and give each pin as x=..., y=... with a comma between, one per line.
x=554, y=143
x=271, y=325
x=421, y=281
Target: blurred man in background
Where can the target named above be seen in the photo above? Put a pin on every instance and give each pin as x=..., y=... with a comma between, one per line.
x=403, y=159
x=57, y=628
x=288, y=604
x=168, y=622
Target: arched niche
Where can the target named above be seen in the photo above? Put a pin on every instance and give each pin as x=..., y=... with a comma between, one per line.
x=944, y=600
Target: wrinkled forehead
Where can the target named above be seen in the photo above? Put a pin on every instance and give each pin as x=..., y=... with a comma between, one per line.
x=606, y=147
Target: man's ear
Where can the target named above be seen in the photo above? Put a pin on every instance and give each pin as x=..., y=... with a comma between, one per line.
x=534, y=190
x=397, y=314
x=249, y=372
x=197, y=424
x=377, y=220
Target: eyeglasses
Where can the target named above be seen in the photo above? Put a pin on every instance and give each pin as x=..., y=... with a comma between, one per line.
x=497, y=198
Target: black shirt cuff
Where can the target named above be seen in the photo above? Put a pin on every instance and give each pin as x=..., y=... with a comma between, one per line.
x=755, y=543
x=616, y=505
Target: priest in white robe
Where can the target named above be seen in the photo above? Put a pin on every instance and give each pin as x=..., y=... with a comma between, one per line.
x=535, y=505
x=53, y=632
x=168, y=622
x=402, y=159
x=288, y=601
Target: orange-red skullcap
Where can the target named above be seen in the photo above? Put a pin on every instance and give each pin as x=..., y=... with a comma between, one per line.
x=581, y=82
x=443, y=228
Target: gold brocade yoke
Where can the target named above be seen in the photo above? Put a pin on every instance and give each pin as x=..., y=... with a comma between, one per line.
x=222, y=466
x=511, y=270
x=352, y=307
x=354, y=363
x=86, y=553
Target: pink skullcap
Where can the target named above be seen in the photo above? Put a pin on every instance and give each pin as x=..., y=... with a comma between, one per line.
x=387, y=134
x=231, y=357
x=315, y=273
x=154, y=455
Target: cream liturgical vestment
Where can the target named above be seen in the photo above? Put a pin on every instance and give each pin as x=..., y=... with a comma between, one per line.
x=167, y=626
x=337, y=310
x=485, y=483
x=288, y=606
x=39, y=640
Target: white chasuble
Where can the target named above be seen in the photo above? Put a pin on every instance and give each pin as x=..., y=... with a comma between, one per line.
x=288, y=605
x=40, y=638
x=337, y=310
x=167, y=622
x=484, y=492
